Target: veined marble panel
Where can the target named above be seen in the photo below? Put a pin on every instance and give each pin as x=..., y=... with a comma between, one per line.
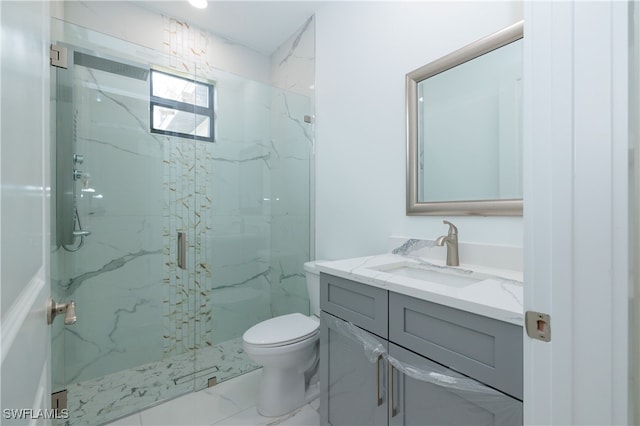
x=290, y=188
x=236, y=309
x=290, y=250
x=293, y=71
x=119, y=312
x=293, y=63
x=114, y=276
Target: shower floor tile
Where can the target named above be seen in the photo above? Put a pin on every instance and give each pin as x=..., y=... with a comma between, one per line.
x=232, y=402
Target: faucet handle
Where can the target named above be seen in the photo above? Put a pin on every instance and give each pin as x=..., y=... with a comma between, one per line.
x=452, y=228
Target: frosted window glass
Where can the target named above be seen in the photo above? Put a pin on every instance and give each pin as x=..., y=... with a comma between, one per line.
x=181, y=107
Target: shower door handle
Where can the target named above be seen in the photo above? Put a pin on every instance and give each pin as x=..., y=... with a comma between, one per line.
x=182, y=250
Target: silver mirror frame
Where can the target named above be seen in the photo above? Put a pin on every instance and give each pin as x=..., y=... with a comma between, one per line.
x=511, y=207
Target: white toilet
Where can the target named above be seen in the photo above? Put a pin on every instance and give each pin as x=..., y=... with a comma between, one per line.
x=287, y=348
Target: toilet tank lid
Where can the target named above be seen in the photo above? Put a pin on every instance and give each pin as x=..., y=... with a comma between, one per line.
x=282, y=329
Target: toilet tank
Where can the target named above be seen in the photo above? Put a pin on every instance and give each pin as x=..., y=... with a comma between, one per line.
x=313, y=287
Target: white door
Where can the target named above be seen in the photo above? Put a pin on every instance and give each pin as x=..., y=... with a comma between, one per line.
x=24, y=211
x=575, y=218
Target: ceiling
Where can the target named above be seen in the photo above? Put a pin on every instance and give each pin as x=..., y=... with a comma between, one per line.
x=261, y=25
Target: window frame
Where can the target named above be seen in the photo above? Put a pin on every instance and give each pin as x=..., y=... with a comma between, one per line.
x=182, y=106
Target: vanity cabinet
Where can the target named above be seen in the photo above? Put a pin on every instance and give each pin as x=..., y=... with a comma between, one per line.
x=467, y=402
x=441, y=366
x=358, y=387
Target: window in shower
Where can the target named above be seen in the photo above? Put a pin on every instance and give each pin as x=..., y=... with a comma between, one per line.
x=181, y=106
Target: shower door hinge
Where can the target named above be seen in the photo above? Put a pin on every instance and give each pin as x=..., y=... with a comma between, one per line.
x=59, y=401
x=58, y=56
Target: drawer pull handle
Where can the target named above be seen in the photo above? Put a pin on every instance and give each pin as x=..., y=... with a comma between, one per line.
x=379, y=400
x=394, y=409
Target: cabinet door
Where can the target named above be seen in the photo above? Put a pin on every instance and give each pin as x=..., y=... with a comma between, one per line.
x=353, y=389
x=486, y=349
x=444, y=397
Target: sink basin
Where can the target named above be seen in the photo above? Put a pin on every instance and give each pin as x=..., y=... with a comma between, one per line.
x=415, y=271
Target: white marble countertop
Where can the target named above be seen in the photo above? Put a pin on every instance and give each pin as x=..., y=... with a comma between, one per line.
x=498, y=294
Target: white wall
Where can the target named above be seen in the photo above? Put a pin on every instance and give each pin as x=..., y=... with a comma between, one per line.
x=363, y=51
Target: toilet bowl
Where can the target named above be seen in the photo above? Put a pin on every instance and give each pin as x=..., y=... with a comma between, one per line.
x=287, y=348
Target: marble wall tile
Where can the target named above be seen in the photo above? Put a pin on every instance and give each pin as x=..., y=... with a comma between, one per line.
x=292, y=139
x=291, y=195
x=293, y=63
x=114, y=276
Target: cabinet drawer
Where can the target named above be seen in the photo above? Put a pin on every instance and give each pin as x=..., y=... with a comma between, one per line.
x=483, y=348
x=360, y=304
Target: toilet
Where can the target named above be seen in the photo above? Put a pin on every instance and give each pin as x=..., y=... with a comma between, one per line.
x=287, y=348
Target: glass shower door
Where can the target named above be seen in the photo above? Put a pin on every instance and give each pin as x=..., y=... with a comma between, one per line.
x=117, y=249
x=148, y=328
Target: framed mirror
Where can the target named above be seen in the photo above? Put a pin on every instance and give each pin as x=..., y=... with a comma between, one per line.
x=464, y=130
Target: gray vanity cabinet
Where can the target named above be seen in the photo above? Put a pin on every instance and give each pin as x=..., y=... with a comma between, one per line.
x=353, y=387
x=444, y=359
x=443, y=402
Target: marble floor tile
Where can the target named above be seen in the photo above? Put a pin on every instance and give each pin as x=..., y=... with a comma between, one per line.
x=303, y=416
x=241, y=391
x=197, y=408
x=133, y=420
x=306, y=416
x=231, y=403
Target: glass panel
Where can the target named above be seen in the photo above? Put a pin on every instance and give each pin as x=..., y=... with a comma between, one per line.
x=183, y=122
x=148, y=330
x=258, y=173
x=179, y=89
x=133, y=344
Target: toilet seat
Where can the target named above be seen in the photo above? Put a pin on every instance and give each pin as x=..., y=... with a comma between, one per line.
x=281, y=331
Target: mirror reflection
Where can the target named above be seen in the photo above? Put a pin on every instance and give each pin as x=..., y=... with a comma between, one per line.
x=471, y=118
x=465, y=130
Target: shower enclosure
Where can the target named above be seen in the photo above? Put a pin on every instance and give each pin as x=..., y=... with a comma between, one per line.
x=181, y=219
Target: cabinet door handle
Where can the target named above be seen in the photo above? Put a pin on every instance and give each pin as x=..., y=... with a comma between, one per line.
x=394, y=409
x=379, y=400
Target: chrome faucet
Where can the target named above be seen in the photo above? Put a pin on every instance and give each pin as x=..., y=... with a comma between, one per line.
x=452, y=244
